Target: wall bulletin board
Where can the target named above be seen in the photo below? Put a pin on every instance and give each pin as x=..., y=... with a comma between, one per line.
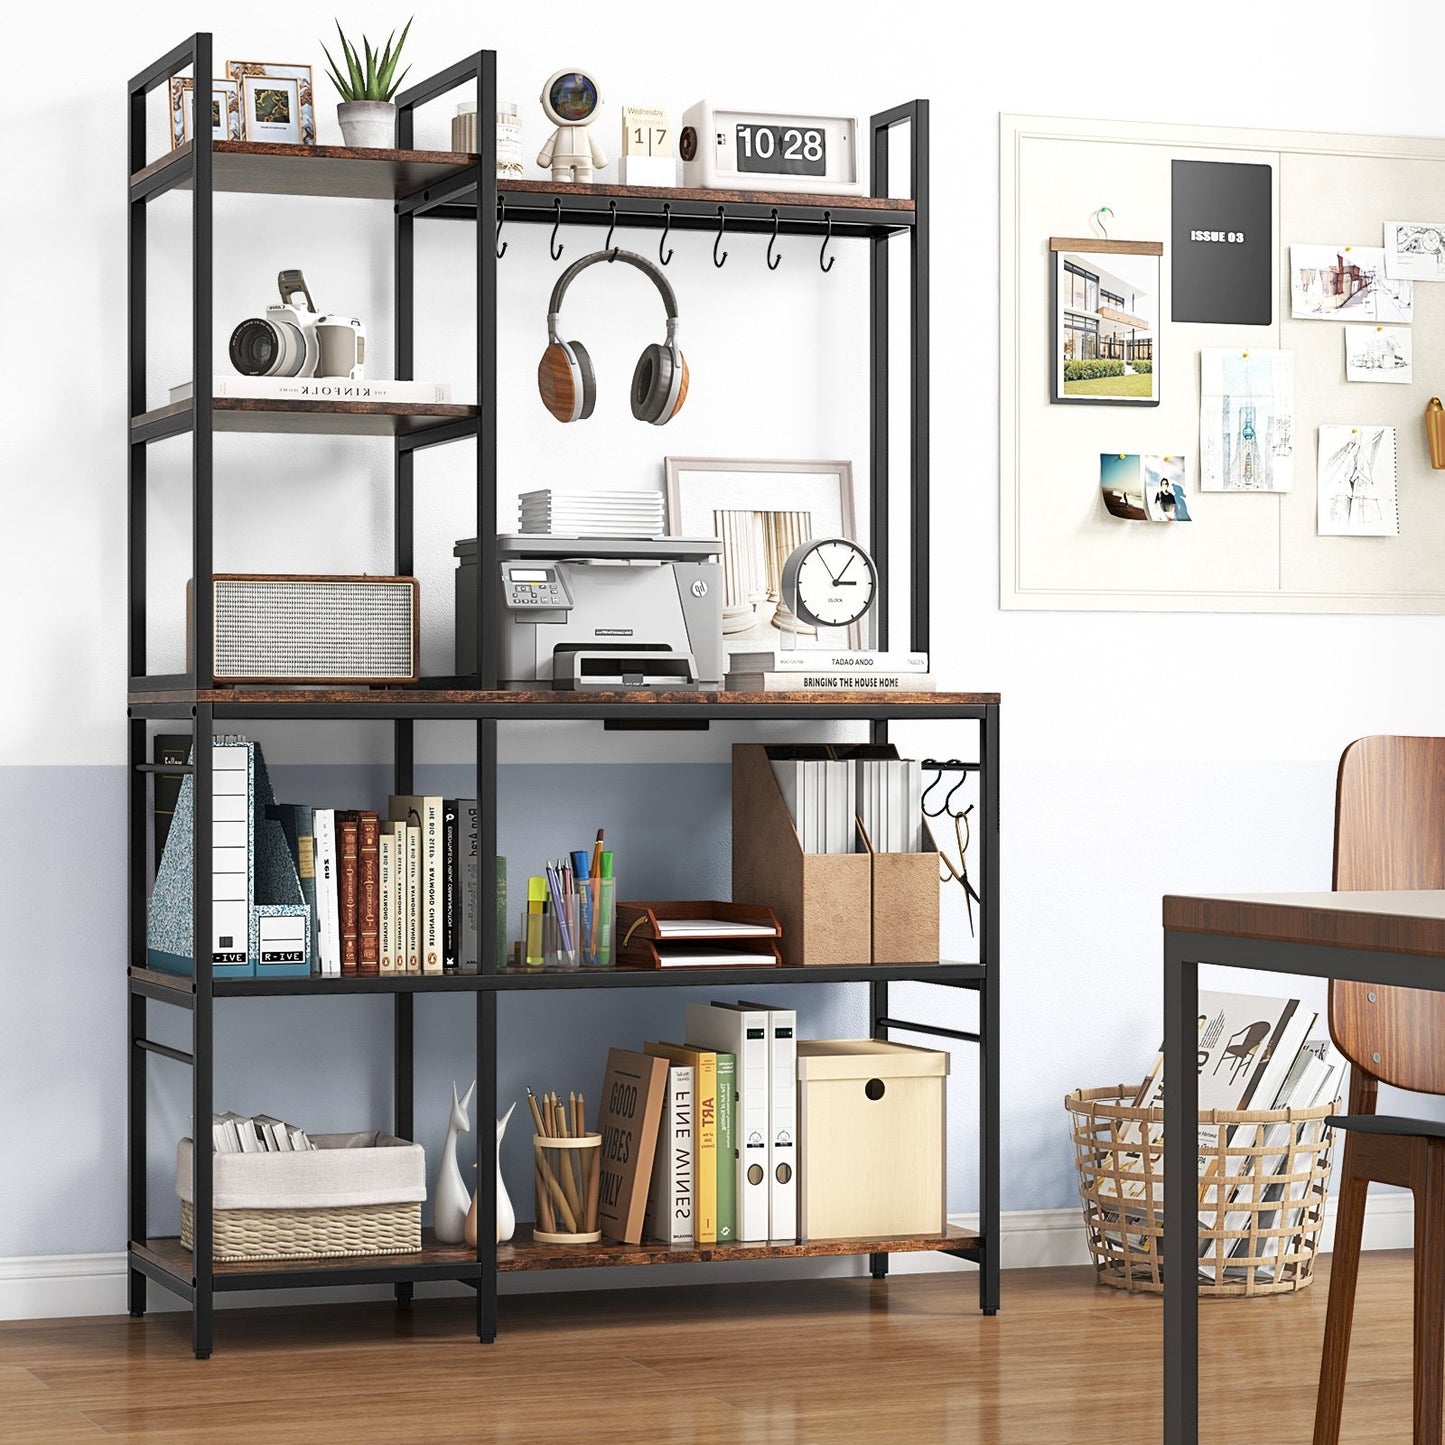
x=1242, y=550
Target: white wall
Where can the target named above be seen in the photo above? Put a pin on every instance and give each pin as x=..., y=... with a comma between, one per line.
x=1142, y=753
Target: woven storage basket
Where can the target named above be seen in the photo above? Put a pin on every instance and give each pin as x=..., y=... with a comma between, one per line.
x=1261, y=1194
x=355, y=1194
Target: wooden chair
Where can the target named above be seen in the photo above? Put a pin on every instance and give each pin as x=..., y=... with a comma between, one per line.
x=1389, y=833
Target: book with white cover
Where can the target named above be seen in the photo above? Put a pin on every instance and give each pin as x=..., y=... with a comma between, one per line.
x=385, y=893
x=782, y=1122
x=830, y=681
x=327, y=916
x=744, y=1030
x=670, y=1213
x=817, y=659
x=320, y=389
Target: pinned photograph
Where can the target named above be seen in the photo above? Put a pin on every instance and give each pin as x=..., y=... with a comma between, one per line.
x=1357, y=487
x=238, y=70
x=1347, y=283
x=1106, y=322
x=1415, y=250
x=1164, y=498
x=1246, y=420
x=1384, y=354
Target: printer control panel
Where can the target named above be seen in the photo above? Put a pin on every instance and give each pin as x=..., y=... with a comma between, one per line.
x=534, y=587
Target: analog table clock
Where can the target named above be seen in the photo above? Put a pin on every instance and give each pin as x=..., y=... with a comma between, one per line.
x=830, y=582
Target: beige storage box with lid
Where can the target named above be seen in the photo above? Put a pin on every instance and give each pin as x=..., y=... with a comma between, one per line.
x=871, y=1156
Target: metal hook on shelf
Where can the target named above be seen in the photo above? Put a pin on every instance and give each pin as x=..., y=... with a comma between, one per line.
x=774, y=261
x=611, y=225
x=666, y=231
x=501, y=221
x=823, y=249
x=721, y=222
x=553, y=245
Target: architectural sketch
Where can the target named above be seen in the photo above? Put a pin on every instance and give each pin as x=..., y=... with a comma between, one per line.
x=1246, y=420
x=1347, y=283
x=1380, y=353
x=1357, y=488
x=1415, y=250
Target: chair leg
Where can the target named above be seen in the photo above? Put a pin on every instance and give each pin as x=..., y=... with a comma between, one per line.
x=1339, y=1315
x=1430, y=1297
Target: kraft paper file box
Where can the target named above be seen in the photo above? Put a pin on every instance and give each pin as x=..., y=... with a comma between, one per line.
x=655, y=935
x=824, y=901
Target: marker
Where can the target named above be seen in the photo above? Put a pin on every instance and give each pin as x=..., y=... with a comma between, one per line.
x=584, y=898
x=536, y=897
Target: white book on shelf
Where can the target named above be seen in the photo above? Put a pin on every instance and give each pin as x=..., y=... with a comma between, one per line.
x=320, y=389
x=830, y=681
x=327, y=914
x=670, y=1215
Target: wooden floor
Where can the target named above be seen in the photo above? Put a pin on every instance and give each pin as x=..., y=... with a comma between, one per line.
x=837, y=1361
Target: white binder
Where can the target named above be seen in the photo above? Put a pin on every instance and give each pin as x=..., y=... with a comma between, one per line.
x=783, y=1121
x=745, y=1031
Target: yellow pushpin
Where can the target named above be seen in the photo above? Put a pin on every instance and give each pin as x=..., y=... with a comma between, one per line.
x=1354, y=431
x=1379, y=328
x=1123, y=456
x=1245, y=355
x=1349, y=248
x=1168, y=459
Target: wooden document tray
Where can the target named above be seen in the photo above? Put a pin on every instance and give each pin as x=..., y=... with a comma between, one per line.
x=644, y=942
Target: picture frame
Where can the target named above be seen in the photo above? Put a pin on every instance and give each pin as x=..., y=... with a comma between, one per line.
x=1105, y=310
x=271, y=109
x=225, y=110
x=238, y=70
x=761, y=510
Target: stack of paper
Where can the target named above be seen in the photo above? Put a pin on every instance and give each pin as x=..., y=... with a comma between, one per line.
x=549, y=512
x=890, y=803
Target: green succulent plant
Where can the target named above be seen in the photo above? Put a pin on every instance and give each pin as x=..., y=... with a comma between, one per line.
x=376, y=78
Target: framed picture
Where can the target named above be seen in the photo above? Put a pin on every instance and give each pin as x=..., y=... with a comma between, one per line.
x=762, y=511
x=225, y=110
x=238, y=70
x=1105, y=347
x=271, y=107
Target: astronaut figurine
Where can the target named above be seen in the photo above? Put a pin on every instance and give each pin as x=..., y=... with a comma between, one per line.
x=570, y=99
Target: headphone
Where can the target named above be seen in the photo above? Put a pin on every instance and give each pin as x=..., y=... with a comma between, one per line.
x=564, y=374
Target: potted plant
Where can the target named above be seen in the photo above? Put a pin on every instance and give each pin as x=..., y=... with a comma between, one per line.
x=366, y=86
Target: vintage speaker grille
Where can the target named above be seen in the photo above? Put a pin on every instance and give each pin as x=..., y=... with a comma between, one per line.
x=296, y=630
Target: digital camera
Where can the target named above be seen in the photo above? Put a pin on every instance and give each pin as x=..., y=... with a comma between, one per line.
x=292, y=340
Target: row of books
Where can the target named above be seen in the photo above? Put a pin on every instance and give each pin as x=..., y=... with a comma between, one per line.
x=257, y=1134
x=714, y=1124
x=392, y=895
x=816, y=670
x=826, y=795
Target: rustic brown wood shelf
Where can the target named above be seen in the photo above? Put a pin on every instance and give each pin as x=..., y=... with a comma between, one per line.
x=523, y=1252
x=331, y=418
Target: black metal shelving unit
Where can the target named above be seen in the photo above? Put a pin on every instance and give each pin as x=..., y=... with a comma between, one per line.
x=443, y=186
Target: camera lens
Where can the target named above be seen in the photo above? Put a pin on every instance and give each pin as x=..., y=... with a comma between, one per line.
x=266, y=348
x=573, y=96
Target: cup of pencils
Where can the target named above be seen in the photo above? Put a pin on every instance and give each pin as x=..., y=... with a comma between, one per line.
x=568, y=1170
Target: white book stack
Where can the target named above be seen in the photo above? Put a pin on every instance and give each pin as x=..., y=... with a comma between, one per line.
x=890, y=803
x=549, y=512
x=814, y=669
x=822, y=799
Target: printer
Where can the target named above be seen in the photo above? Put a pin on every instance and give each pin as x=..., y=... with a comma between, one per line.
x=606, y=613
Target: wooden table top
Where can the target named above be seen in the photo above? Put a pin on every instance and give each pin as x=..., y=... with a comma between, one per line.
x=1386, y=922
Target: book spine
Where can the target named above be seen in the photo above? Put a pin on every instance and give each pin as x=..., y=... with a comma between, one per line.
x=727, y=1157
x=705, y=1186
x=326, y=911
x=348, y=828
x=174, y=749
x=306, y=875
x=802, y=660
x=413, y=898
x=469, y=909
x=320, y=388
x=833, y=682
x=431, y=882
x=398, y=895
x=368, y=896
x=386, y=894
x=450, y=943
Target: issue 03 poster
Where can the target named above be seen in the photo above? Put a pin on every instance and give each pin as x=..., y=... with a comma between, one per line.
x=1223, y=243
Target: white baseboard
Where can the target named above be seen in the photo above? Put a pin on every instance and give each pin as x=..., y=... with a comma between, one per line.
x=58, y=1286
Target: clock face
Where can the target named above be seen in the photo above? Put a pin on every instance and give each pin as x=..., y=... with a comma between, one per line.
x=835, y=582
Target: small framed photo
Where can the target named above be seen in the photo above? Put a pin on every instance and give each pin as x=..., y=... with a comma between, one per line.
x=240, y=70
x=1105, y=321
x=271, y=106
x=225, y=110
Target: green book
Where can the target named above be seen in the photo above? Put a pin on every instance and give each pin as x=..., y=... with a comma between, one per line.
x=727, y=1150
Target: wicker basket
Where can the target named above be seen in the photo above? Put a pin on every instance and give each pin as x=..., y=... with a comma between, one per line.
x=354, y=1194
x=1261, y=1195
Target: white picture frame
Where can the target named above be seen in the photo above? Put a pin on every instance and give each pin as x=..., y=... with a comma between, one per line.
x=271, y=109
x=225, y=110
x=761, y=510
x=238, y=70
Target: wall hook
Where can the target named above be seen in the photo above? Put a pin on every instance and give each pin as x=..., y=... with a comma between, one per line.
x=611, y=225
x=1098, y=219
x=553, y=244
x=721, y=222
x=501, y=221
x=774, y=261
x=666, y=231
x=823, y=249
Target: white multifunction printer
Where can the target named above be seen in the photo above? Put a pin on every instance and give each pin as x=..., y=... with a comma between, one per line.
x=597, y=612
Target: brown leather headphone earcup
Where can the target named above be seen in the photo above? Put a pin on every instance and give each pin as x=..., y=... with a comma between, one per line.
x=557, y=382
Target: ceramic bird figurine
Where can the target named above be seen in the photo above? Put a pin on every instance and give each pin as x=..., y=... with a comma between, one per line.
x=449, y=1208
x=506, y=1215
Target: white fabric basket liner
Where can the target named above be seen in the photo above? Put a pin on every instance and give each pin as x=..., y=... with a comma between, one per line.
x=344, y=1169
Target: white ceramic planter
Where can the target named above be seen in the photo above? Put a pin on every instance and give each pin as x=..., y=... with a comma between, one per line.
x=368, y=124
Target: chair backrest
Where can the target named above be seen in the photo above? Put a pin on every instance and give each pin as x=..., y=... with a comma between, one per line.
x=1390, y=833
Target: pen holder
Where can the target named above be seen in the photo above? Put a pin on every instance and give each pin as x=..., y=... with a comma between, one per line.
x=596, y=919
x=567, y=1177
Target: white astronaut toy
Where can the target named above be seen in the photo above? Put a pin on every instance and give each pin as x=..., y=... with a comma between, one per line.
x=570, y=99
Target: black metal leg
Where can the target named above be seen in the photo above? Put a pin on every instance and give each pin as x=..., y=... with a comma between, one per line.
x=988, y=1021
x=137, y=798
x=487, y=1165
x=202, y=1034
x=878, y=1029
x=402, y=1083
x=1181, y=1226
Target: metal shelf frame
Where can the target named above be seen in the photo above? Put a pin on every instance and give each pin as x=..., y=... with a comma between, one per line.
x=472, y=193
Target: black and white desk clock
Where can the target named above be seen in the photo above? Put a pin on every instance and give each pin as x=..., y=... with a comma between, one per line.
x=830, y=582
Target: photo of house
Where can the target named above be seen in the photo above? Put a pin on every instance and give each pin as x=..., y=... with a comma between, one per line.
x=1105, y=326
